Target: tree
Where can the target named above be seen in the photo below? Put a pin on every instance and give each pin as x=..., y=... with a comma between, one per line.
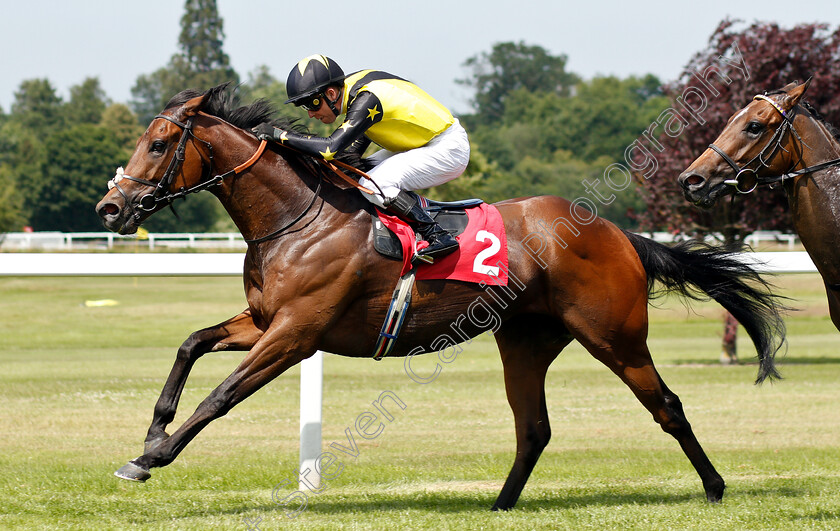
x=122, y=124
x=547, y=143
x=11, y=202
x=509, y=67
x=80, y=159
x=603, y=117
x=202, y=36
x=23, y=157
x=199, y=212
x=87, y=103
x=770, y=58
x=201, y=62
x=37, y=106
x=151, y=92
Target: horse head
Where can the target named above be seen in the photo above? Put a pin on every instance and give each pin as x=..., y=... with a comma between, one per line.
x=756, y=143
x=168, y=162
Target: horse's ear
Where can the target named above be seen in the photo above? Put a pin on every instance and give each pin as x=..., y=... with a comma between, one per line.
x=194, y=105
x=795, y=94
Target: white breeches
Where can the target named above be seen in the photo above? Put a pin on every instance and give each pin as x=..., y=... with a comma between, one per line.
x=444, y=158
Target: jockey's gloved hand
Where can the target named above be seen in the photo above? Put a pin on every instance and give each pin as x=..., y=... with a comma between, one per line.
x=268, y=132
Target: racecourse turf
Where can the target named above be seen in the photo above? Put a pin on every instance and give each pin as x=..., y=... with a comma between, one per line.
x=80, y=376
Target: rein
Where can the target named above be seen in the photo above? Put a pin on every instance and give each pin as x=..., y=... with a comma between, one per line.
x=766, y=155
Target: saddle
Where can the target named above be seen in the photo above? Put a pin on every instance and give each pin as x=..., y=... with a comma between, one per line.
x=450, y=215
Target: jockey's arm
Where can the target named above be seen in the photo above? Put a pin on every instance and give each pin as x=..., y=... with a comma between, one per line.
x=349, y=135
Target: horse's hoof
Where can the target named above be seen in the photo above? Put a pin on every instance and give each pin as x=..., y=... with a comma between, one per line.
x=133, y=472
x=714, y=493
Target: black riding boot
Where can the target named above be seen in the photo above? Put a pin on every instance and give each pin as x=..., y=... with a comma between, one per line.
x=441, y=243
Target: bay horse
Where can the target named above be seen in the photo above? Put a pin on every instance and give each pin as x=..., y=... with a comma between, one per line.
x=779, y=139
x=313, y=281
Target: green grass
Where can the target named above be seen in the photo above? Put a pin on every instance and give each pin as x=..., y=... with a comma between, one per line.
x=78, y=385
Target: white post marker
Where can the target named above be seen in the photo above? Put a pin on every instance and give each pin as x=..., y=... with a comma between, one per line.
x=311, y=387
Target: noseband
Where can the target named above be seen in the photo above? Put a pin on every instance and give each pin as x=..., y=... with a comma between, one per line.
x=766, y=155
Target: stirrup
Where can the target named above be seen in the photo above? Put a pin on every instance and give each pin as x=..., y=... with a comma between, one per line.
x=419, y=259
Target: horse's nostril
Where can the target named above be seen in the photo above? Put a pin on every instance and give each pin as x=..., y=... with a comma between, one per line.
x=692, y=180
x=108, y=209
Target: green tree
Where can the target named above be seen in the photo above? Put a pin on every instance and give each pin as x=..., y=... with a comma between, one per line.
x=151, y=92
x=199, y=212
x=548, y=143
x=80, y=159
x=202, y=36
x=23, y=157
x=201, y=62
x=122, y=124
x=604, y=117
x=37, y=106
x=509, y=67
x=87, y=103
x=11, y=202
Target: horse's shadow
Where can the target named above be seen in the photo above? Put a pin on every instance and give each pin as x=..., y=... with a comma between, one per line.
x=454, y=503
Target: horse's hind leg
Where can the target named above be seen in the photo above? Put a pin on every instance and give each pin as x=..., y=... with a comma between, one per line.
x=527, y=345
x=237, y=333
x=622, y=347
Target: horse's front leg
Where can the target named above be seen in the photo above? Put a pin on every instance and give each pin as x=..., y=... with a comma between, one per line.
x=279, y=348
x=237, y=333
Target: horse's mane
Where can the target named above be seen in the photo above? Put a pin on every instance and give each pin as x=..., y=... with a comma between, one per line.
x=225, y=104
x=834, y=131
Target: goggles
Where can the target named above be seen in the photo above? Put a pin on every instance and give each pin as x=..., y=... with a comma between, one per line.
x=312, y=103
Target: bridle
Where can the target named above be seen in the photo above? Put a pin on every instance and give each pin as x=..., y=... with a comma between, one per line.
x=163, y=194
x=774, y=145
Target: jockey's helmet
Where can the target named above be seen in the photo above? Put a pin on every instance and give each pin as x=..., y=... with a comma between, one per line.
x=311, y=76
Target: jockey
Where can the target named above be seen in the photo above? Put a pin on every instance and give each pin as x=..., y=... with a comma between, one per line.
x=423, y=144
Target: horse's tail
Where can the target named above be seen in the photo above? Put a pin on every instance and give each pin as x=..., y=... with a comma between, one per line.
x=691, y=267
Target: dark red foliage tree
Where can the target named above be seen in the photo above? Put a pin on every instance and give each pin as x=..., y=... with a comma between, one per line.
x=773, y=57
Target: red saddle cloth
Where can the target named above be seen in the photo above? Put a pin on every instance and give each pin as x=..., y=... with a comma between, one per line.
x=481, y=258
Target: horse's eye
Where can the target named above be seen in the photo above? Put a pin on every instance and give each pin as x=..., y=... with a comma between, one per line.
x=754, y=128
x=158, y=146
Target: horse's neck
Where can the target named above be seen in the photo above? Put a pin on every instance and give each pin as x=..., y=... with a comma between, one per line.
x=266, y=197
x=815, y=201
x=273, y=193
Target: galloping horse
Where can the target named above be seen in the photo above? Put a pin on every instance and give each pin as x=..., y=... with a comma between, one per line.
x=314, y=281
x=780, y=139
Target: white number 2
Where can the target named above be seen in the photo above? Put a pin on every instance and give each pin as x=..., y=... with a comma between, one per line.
x=495, y=245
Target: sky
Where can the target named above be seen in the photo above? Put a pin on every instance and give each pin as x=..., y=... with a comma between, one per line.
x=67, y=41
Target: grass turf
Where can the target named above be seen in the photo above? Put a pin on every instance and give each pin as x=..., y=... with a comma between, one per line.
x=79, y=383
